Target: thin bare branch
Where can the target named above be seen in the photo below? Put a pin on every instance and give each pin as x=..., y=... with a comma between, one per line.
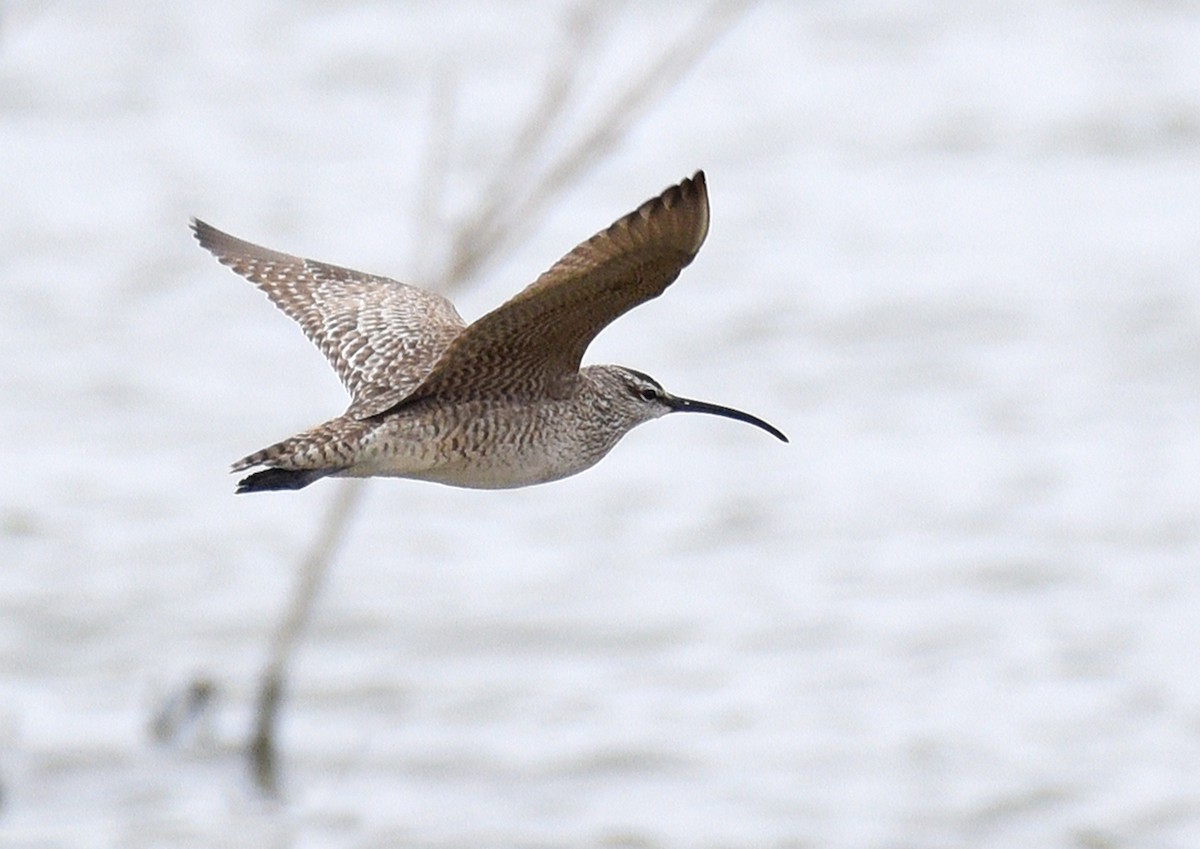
x=486, y=237
x=513, y=175
x=263, y=758
x=513, y=201
x=430, y=196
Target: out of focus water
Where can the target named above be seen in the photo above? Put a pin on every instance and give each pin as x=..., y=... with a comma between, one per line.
x=955, y=255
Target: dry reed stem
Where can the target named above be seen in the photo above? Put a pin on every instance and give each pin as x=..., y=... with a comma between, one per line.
x=484, y=236
x=503, y=217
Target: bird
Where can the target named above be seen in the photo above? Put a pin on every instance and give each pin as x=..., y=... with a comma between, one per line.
x=499, y=403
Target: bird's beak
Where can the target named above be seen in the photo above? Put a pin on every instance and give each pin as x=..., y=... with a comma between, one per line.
x=687, y=405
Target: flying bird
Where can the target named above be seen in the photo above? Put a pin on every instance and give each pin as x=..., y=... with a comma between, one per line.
x=499, y=403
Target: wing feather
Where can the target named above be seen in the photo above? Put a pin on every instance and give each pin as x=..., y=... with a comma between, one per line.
x=382, y=337
x=532, y=345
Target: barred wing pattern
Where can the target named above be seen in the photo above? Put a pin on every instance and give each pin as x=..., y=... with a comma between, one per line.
x=381, y=336
x=532, y=345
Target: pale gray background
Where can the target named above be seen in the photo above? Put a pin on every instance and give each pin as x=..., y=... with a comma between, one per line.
x=955, y=255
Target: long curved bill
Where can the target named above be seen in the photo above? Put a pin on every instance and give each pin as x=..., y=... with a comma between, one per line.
x=687, y=405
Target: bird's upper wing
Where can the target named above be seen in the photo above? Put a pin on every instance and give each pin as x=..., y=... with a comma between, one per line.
x=532, y=344
x=381, y=336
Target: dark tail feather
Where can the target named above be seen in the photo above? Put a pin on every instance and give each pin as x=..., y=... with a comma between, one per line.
x=269, y=479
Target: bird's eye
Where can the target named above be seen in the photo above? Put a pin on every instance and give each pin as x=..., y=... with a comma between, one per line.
x=649, y=394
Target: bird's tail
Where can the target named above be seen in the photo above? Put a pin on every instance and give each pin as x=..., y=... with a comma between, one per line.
x=270, y=479
x=299, y=460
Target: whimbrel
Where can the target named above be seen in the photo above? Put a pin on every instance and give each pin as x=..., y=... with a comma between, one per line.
x=498, y=403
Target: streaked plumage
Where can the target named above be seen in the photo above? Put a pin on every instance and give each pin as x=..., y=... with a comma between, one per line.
x=498, y=403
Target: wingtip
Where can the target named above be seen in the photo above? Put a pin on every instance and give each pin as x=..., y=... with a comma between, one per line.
x=695, y=190
x=202, y=232
x=693, y=186
x=697, y=183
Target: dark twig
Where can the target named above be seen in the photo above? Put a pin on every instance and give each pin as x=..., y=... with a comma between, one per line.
x=485, y=236
x=432, y=190
x=263, y=759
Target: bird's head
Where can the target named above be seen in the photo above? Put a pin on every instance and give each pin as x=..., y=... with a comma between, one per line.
x=634, y=397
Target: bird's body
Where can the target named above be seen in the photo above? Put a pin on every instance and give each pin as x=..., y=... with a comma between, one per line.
x=476, y=443
x=497, y=404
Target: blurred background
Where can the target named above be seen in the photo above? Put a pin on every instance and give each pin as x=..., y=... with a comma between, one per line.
x=955, y=256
